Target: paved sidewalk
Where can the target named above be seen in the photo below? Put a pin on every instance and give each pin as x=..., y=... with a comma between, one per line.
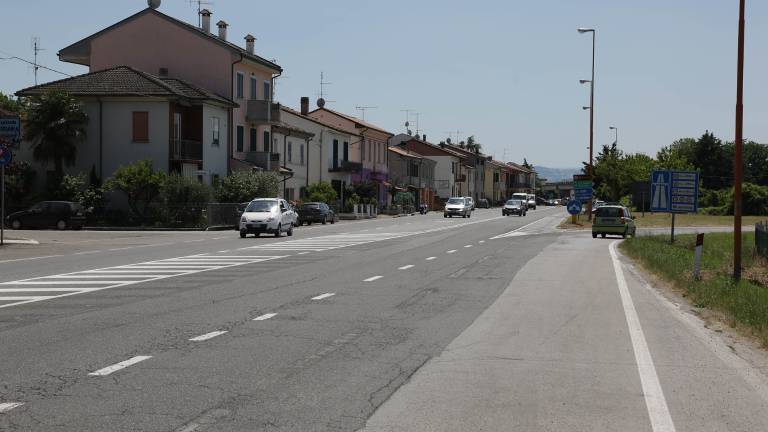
x=555, y=353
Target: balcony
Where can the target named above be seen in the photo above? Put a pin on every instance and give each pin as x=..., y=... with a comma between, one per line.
x=264, y=160
x=262, y=112
x=346, y=166
x=460, y=178
x=186, y=150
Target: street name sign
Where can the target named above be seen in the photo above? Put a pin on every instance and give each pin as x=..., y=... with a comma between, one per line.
x=674, y=191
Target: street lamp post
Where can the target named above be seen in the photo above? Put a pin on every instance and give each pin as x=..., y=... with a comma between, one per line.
x=737, y=159
x=591, y=114
x=616, y=134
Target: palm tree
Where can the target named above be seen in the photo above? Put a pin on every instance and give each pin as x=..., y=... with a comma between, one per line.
x=472, y=145
x=56, y=123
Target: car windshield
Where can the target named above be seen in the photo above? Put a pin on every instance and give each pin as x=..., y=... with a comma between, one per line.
x=310, y=206
x=261, y=206
x=610, y=212
x=456, y=201
x=513, y=202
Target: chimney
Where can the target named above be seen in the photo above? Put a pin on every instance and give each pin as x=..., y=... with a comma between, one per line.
x=424, y=137
x=222, y=30
x=249, y=39
x=304, y=105
x=205, y=16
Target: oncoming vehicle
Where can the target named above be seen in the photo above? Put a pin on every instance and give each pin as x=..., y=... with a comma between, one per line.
x=471, y=202
x=529, y=199
x=514, y=206
x=267, y=215
x=315, y=212
x=457, y=206
x=613, y=219
x=483, y=203
x=49, y=214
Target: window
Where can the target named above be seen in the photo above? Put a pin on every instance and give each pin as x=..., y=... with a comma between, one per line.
x=140, y=126
x=254, y=139
x=335, y=160
x=289, y=156
x=266, y=141
x=215, y=127
x=240, y=79
x=362, y=150
x=240, y=138
x=267, y=94
x=301, y=154
x=254, y=87
x=346, y=151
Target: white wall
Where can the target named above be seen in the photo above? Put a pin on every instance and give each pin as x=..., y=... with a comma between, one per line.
x=119, y=148
x=443, y=177
x=214, y=157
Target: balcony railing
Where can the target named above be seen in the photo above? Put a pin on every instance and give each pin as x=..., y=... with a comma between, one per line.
x=182, y=149
x=346, y=166
x=261, y=111
x=264, y=160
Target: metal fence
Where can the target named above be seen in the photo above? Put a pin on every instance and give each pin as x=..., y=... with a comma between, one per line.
x=761, y=238
x=224, y=214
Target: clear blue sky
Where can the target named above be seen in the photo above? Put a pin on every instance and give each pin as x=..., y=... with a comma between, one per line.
x=505, y=71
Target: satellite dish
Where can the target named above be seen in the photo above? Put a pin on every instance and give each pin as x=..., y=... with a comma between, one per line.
x=409, y=132
x=154, y=4
x=320, y=102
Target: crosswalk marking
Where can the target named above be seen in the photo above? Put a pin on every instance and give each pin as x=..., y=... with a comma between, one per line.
x=335, y=241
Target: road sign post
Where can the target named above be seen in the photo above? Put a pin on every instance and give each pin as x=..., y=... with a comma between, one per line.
x=5, y=158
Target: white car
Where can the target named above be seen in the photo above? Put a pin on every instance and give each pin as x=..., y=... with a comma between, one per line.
x=471, y=202
x=267, y=215
x=457, y=206
x=532, y=201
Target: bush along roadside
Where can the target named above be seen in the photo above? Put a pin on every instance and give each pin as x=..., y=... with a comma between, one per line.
x=743, y=304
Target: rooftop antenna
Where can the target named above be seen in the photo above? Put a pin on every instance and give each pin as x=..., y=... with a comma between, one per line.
x=407, y=117
x=321, y=101
x=200, y=6
x=36, y=48
x=363, y=108
x=417, y=123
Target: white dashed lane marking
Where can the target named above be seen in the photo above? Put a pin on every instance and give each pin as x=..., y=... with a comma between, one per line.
x=431, y=258
x=207, y=336
x=323, y=296
x=117, y=366
x=265, y=317
x=373, y=278
x=406, y=267
x=7, y=406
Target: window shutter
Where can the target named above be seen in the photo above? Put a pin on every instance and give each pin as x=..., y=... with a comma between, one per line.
x=140, y=126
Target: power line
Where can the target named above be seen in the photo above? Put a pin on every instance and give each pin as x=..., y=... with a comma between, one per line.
x=34, y=64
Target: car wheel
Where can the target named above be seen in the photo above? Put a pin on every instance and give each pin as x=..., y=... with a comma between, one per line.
x=257, y=235
x=333, y=220
x=594, y=235
x=603, y=235
x=16, y=224
x=309, y=222
x=325, y=220
x=243, y=234
x=61, y=224
x=279, y=231
x=290, y=231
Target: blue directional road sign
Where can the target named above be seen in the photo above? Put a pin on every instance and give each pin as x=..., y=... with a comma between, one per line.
x=675, y=191
x=574, y=207
x=5, y=156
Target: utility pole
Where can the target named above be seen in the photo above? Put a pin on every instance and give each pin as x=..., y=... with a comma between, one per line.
x=737, y=159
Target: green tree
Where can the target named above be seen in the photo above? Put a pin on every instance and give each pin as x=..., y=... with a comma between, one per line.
x=14, y=105
x=676, y=156
x=141, y=185
x=19, y=178
x=56, y=124
x=715, y=161
x=243, y=186
x=472, y=145
x=321, y=192
x=526, y=165
x=608, y=176
x=184, y=198
x=755, y=163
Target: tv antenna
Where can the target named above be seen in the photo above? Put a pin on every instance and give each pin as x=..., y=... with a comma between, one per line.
x=36, y=48
x=200, y=6
x=407, y=117
x=363, y=108
x=417, y=123
x=321, y=101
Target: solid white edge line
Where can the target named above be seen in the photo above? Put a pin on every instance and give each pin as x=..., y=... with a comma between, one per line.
x=117, y=366
x=264, y=317
x=207, y=336
x=406, y=267
x=7, y=406
x=661, y=421
x=372, y=278
x=323, y=296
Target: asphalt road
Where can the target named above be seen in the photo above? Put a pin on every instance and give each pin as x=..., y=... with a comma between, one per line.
x=407, y=324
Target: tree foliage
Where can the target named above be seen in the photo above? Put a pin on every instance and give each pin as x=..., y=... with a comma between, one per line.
x=244, y=186
x=321, y=192
x=56, y=124
x=14, y=105
x=140, y=184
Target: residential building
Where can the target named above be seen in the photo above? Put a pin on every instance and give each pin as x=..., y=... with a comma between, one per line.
x=373, y=144
x=413, y=172
x=473, y=169
x=133, y=115
x=158, y=44
x=449, y=164
x=521, y=179
x=494, y=186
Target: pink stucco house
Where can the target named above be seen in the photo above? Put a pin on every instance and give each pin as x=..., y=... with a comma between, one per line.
x=164, y=46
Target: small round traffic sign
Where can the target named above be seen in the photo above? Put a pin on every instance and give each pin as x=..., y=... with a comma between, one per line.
x=574, y=207
x=5, y=155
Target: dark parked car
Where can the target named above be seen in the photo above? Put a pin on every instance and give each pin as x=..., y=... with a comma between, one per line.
x=315, y=212
x=49, y=214
x=483, y=203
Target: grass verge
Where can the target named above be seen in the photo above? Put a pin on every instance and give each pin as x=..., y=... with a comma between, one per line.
x=664, y=220
x=742, y=304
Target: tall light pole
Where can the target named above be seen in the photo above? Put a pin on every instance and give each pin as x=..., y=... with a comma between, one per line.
x=616, y=134
x=737, y=159
x=591, y=114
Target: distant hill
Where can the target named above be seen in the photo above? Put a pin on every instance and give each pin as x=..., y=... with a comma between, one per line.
x=556, y=174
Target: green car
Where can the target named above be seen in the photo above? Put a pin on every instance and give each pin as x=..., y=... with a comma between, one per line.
x=613, y=219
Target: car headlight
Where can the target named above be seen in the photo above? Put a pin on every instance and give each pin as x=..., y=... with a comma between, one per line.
x=270, y=219
x=243, y=219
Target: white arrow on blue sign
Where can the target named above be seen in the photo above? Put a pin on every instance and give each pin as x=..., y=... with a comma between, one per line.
x=574, y=207
x=5, y=156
